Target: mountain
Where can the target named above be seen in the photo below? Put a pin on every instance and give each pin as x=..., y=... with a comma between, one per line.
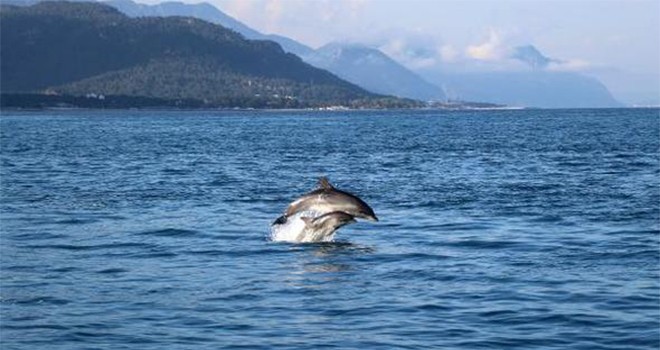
x=537, y=88
x=373, y=70
x=362, y=66
x=80, y=49
x=533, y=83
x=370, y=69
x=203, y=11
x=206, y=12
x=532, y=56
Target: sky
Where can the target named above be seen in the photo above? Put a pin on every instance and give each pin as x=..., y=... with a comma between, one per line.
x=616, y=41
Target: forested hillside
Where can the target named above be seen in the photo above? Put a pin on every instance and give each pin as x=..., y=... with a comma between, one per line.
x=90, y=49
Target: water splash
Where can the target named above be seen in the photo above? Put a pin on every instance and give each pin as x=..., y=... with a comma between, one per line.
x=295, y=231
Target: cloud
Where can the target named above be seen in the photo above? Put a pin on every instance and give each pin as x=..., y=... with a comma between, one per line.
x=419, y=49
x=498, y=51
x=503, y=52
x=493, y=49
x=319, y=22
x=573, y=65
x=413, y=48
x=449, y=54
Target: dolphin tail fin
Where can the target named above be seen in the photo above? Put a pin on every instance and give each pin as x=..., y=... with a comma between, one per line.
x=325, y=183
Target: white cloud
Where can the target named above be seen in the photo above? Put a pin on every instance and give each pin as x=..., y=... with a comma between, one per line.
x=493, y=49
x=318, y=22
x=413, y=48
x=497, y=53
x=449, y=54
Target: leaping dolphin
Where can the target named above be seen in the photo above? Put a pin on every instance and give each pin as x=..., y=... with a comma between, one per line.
x=327, y=199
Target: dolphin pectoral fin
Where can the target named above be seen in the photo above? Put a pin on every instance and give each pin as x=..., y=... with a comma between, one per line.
x=307, y=220
x=324, y=183
x=280, y=220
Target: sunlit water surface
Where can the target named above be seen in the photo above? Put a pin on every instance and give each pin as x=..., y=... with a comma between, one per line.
x=532, y=229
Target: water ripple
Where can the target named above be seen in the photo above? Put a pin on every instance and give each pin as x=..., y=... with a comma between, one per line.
x=533, y=229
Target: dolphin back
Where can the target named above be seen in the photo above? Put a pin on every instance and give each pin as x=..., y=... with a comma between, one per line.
x=326, y=198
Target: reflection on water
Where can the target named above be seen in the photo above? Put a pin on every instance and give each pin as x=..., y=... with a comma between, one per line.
x=330, y=249
x=328, y=267
x=326, y=264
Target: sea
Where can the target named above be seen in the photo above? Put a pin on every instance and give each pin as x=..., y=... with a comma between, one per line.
x=499, y=229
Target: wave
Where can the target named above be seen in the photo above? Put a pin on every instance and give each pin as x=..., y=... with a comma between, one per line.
x=295, y=231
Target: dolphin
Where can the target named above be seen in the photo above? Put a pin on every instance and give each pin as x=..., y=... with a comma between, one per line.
x=325, y=225
x=327, y=199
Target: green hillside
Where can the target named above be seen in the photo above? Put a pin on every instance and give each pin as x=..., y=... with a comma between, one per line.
x=80, y=49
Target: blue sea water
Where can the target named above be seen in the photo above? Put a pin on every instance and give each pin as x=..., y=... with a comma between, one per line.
x=530, y=229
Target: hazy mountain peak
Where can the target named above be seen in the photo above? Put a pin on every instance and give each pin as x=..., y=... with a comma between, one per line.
x=532, y=56
x=373, y=70
x=202, y=11
x=351, y=53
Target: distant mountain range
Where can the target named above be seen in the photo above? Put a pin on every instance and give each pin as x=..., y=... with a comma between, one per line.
x=372, y=70
x=91, y=49
x=536, y=86
x=542, y=89
x=366, y=67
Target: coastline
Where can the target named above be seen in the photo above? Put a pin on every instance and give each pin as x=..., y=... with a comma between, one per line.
x=40, y=101
x=303, y=110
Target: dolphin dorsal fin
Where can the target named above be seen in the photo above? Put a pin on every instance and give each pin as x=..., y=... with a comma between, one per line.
x=324, y=183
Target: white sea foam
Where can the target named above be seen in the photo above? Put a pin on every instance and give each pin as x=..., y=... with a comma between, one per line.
x=294, y=230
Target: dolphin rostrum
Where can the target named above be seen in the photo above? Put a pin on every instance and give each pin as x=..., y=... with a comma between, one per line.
x=325, y=225
x=327, y=199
